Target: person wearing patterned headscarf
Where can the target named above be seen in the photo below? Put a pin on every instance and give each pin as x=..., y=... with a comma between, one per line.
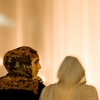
x=21, y=82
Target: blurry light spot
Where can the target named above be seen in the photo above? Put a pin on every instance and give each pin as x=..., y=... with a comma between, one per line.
x=99, y=44
x=4, y=21
x=43, y=79
x=1, y=61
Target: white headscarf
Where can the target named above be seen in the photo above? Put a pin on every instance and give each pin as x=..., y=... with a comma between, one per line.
x=70, y=74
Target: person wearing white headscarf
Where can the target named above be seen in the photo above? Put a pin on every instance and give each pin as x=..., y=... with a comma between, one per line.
x=71, y=84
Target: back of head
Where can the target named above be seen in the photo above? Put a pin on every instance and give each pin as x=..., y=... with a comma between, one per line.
x=70, y=71
x=19, y=60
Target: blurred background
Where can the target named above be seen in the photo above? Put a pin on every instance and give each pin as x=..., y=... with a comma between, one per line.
x=55, y=28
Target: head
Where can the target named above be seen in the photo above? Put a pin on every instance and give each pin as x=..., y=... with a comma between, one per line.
x=71, y=71
x=23, y=60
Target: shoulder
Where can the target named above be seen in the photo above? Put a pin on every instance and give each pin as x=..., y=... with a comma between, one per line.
x=41, y=86
x=47, y=90
x=49, y=87
x=15, y=93
x=88, y=88
x=89, y=91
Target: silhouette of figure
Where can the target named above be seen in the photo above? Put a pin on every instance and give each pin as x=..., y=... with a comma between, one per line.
x=71, y=85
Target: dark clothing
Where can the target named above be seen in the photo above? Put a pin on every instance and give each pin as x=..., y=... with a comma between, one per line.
x=10, y=91
x=17, y=95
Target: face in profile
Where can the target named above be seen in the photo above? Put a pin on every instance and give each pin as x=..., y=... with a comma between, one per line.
x=35, y=66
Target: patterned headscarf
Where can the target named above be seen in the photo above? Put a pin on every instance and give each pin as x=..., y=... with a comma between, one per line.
x=19, y=61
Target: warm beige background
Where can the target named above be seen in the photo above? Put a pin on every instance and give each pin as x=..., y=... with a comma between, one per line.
x=55, y=28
